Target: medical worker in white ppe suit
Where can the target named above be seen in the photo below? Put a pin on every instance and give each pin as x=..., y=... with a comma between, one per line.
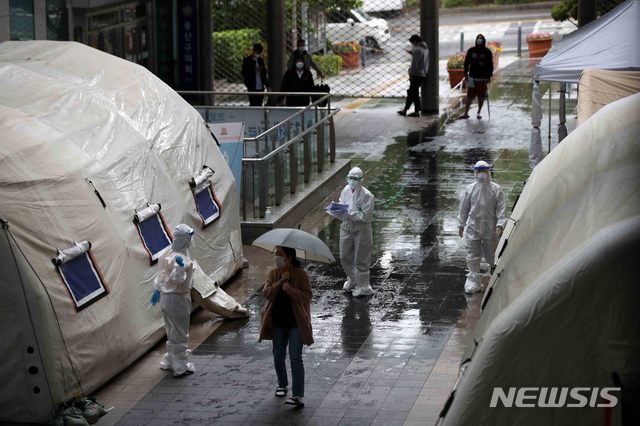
x=174, y=282
x=356, y=240
x=482, y=213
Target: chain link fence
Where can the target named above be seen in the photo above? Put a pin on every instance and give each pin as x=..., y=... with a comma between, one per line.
x=360, y=46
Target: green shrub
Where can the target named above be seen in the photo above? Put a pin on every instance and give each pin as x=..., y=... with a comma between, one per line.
x=457, y=3
x=513, y=1
x=230, y=48
x=328, y=64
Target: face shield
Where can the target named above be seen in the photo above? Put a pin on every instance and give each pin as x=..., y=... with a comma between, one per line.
x=482, y=171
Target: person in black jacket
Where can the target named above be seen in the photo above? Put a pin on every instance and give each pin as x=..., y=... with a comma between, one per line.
x=478, y=70
x=254, y=74
x=297, y=79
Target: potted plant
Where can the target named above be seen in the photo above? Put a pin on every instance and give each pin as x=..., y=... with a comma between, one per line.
x=455, y=68
x=539, y=44
x=496, y=50
x=349, y=51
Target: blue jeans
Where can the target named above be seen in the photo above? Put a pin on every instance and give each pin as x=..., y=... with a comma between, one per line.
x=282, y=337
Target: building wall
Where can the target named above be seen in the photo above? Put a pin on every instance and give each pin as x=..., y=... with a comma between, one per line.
x=143, y=31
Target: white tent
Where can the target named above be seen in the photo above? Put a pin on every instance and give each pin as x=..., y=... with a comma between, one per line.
x=563, y=306
x=99, y=160
x=601, y=87
x=611, y=42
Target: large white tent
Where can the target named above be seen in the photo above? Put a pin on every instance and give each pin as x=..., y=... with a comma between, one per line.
x=99, y=160
x=611, y=42
x=563, y=306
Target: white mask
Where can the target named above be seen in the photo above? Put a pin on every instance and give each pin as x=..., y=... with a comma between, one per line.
x=280, y=261
x=478, y=42
x=482, y=177
x=257, y=55
x=353, y=184
x=301, y=49
x=299, y=65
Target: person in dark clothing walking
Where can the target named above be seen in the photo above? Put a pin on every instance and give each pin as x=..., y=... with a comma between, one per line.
x=417, y=73
x=301, y=52
x=478, y=70
x=297, y=79
x=254, y=74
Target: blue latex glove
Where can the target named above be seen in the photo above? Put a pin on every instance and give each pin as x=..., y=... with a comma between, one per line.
x=155, y=297
x=180, y=260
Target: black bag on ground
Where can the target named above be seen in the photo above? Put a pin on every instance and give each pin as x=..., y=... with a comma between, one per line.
x=321, y=88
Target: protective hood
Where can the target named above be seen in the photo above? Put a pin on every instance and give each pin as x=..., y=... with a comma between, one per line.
x=182, y=238
x=483, y=41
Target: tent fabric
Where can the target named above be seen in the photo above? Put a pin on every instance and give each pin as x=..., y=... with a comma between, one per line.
x=73, y=118
x=601, y=87
x=535, y=146
x=610, y=42
x=562, y=306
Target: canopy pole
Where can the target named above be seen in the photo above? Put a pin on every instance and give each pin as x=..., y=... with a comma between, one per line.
x=562, y=129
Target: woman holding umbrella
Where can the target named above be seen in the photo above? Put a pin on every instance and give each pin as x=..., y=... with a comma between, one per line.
x=286, y=320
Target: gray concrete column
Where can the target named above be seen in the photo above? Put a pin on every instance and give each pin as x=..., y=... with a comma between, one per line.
x=5, y=33
x=587, y=11
x=276, y=42
x=205, y=48
x=40, y=19
x=429, y=24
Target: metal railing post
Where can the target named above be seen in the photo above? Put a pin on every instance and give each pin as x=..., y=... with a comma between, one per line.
x=263, y=189
x=461, y=41
x=279, y=179
x=266, y=127
x=519, y=38
x=306, y=163
x=332, y=141
x=320, y=142
x=293, y=168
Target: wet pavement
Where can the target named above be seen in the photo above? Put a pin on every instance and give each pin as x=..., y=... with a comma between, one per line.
x=374, y=358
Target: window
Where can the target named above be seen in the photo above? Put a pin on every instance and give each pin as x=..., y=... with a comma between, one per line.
x=153, y=231
x=207, y=203
x=57, y=20
x=80, y=274
x=21, y=20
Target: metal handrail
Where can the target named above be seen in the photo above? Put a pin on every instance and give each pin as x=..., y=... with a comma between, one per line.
x=292, y=140
x=325, y=96
x=323, y=116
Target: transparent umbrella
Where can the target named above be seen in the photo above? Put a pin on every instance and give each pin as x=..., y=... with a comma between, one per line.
x=308, y=247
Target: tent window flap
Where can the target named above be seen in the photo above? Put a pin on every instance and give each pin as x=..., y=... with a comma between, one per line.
x=207, y=204
x=153, y=231
x=80, y=275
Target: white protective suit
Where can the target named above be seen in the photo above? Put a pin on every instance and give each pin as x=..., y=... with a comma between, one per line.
x=356, y=239
x=175, y=282
x=482, y=211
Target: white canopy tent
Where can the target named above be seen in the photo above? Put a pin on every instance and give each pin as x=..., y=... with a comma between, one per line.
x=611, y=42
x=99, y=160
x=563, y=306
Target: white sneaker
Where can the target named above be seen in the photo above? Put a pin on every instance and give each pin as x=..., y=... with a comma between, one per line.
x=347, y=287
